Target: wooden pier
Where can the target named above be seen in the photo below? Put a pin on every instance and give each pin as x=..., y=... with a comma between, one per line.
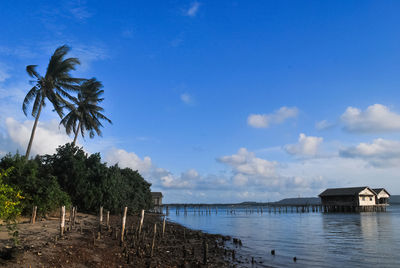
x=207, y=210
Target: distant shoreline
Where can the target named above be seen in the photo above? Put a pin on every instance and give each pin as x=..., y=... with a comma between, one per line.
x=394, y=199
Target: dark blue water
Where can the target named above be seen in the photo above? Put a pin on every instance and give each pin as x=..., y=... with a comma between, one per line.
x=316, y=239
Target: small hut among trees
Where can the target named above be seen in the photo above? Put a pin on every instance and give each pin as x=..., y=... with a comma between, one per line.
x=157, y=198
x=354, y=199
x=157, y=201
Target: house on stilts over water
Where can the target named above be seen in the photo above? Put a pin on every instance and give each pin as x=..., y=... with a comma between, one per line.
x=354, y=199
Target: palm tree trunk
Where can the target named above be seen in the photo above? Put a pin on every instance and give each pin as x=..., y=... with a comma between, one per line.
x=76, y=133
x=28, y=150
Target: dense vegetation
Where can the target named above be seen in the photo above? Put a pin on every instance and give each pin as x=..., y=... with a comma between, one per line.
x=71, y=176
x=9, y=199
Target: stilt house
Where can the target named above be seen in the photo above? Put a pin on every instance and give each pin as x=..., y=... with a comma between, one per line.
x=353, y=199
x=382, y=196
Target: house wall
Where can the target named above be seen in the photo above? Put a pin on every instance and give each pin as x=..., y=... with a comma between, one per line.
x=367, y=200
x=339, y=201
x=383, y=194
x=157, y=201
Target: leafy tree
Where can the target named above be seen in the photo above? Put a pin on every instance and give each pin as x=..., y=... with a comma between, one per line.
x=38, y=186
x=9, y=206
x=85, y=113
x=91, y=184
x=54, y=86
x=9, y=199
x=70, y=174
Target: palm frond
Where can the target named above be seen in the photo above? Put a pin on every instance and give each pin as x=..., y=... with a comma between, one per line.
x=28, y=98
x=31, y=70
x=38, y=101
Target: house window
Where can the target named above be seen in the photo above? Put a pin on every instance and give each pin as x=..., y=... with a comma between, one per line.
x=363, y=198
x=370, y=199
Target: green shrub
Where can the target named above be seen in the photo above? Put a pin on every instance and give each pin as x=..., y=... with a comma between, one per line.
x=10, y=199
x=39, y=187
x=10, y=208
x=72, y=176
x=91, y=184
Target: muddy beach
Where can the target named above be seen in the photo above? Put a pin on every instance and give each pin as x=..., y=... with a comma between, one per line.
x=90, y=244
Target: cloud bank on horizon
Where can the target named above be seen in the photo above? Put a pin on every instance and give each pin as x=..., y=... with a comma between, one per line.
x=246, y=175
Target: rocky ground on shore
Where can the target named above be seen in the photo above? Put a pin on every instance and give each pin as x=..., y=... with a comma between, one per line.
x=90, y=244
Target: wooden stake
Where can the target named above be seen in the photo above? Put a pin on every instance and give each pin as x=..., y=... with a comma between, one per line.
x=71, y=217
x=74, y=218
x=154, y=239
x=141, y=222
x=123, y=224
x=108, y=220
x=205, y=252
x=101, y=215
x=62, y=224
x=163, y=227
x=33, y=218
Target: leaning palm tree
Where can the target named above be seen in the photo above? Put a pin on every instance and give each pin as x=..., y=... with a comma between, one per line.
x=54, y=86
x=85, y=113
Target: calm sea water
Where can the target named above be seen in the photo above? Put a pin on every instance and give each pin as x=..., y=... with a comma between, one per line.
x=316, y=239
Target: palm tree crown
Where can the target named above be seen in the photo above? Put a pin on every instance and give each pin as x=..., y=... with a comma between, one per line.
x=85, y=113
x=54, y=86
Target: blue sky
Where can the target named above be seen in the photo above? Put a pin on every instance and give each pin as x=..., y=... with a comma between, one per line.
x=221, y=101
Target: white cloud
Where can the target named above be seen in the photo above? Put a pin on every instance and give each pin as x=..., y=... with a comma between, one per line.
x=306, y=146
x=187, y=180
x=338, y=171
x=277, y=117
x=376, y=118
x=48, y=136
x=379, y=153
x=246, y=162
x=192, y=11
x=159, y=177
x=248, y=168
x=323, y=125
x=129, y=159
x=266, y=179
x=186, y=98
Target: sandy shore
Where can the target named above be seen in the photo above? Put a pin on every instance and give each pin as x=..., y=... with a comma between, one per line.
x=84, y=245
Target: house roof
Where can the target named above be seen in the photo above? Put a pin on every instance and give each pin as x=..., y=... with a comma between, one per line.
x=378, y=190
x=156, y=194
x=344, y=191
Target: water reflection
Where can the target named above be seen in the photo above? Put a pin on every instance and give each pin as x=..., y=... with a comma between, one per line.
x=316, y=239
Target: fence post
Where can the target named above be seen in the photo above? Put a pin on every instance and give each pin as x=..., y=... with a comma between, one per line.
x=33, y=218
x=123, y=224
x=163, y=227
x=62, y=224
x=141, y=222
x=154, y=240
x=101, y=215
x=108, y=220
